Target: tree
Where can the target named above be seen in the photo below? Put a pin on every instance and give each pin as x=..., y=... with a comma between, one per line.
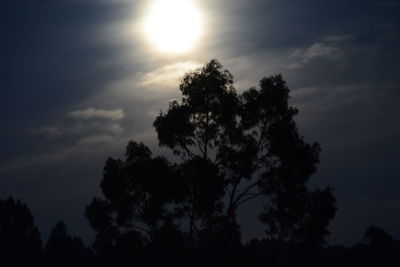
x=232, y=148
x=377, y=237
x=137, y=192
x=20, y=242
x=254, y=142
x=62, y=249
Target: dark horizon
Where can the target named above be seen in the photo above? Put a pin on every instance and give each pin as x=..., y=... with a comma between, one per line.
x=79, y=80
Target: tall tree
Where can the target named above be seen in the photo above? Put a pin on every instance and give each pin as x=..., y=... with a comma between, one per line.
x=254, y=142
x=232, y=148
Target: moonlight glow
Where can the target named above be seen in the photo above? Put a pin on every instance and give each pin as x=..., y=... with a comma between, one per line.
x=173, y=26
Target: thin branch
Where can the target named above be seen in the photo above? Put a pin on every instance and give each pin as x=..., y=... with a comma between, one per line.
x=250, y=196
x=227, y=191
x=264, y=128
x=247, y=190
x=206, y=137
x=234, y=189
x=190, y=153
x=195, y=228
x=190, y=213
x=140, y=228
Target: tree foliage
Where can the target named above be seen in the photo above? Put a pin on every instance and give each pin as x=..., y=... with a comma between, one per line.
x=63, y=249
x=20, y=242
x=232, y=147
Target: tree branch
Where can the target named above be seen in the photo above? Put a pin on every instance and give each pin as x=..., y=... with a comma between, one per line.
x=246, y=190
x=140, y=228
x=250, y=196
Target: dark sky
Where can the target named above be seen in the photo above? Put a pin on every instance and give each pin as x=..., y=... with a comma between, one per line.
x=79, y=79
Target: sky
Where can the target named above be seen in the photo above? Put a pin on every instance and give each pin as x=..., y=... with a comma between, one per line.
x=80, y=78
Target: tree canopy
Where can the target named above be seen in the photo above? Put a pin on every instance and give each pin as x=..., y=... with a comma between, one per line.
x=20, y=242
x=231, y=148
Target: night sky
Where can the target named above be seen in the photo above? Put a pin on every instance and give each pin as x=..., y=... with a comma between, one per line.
x=79, y=79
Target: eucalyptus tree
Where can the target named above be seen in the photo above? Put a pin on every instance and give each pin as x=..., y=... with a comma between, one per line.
x=253, y=140
x=231, y=148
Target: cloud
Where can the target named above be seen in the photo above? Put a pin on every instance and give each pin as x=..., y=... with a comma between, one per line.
x=319, y=50
x=90, y=113
x=91, y=147
x=168, y=75
x=315, y=51
x=329, y=48
x=81, y=124
x=80, y=130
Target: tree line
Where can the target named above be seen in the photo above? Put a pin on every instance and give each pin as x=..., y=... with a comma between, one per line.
x=230, y=148
x=21, y=245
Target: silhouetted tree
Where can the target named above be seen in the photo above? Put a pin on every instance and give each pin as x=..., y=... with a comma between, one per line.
x=253, y=141
x=20, y=242
x=201, y=127
x=300, y=216
x=62, y=249
x=383, y=248
x=232, y=148
x=137, y=192
x=377, y=237
x=377, y=249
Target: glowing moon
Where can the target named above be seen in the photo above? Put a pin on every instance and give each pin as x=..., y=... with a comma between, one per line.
x=173, y=26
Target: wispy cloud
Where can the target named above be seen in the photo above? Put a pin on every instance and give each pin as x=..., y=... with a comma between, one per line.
x=168, y=75
x=329, y=48
x=90, y=113
x=315, y=51
x=82, y=128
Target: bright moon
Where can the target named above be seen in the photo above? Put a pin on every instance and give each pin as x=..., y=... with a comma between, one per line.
x=173, y=26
